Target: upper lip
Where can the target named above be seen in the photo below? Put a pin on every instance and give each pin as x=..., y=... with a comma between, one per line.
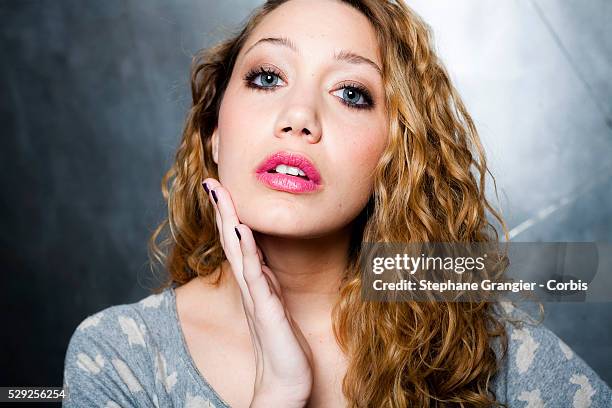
x=290, y=159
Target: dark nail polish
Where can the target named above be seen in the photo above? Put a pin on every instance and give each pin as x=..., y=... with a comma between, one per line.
x=214, y=196
x=205, y=187
x=238, y=233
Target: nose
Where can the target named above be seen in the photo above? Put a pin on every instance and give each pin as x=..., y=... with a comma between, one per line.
x=299, y=120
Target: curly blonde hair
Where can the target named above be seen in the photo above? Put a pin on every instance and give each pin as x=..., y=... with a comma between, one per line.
x=428, y=187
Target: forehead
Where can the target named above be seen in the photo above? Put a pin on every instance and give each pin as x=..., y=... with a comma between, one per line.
x=319, y=28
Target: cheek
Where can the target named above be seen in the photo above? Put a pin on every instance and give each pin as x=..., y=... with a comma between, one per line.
x=236, y=142
x=361, y=151
x=355, y=170
x=235, y=119
x=239, y=124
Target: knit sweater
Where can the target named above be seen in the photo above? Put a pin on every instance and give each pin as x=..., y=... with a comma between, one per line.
x=135, y=355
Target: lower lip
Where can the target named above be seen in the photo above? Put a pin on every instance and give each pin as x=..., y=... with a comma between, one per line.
x=283, y=182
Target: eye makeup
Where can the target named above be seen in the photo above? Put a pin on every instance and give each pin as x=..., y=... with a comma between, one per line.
x=269, y=74
x=259, y=71
x=361, y=90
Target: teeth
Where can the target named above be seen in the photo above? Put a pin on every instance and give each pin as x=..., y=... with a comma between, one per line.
x=294, y=171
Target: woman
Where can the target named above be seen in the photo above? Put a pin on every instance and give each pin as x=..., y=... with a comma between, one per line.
x=348, y=99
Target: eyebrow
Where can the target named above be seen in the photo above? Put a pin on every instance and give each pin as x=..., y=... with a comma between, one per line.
x=346, y=56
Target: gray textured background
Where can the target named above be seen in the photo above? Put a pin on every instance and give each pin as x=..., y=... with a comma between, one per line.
x=93, y=99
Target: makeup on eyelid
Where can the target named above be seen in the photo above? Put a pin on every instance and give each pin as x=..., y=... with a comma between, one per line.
x=346, y=85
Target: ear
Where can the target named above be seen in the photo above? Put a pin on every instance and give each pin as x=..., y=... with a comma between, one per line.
x=215, y=145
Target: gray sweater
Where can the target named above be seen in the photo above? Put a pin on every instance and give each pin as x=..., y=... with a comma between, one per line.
x=135, y=355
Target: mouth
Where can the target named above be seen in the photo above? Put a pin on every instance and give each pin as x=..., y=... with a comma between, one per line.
x=283, y=169
x=287, y=171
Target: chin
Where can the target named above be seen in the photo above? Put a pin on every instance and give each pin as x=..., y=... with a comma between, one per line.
x=282, y=221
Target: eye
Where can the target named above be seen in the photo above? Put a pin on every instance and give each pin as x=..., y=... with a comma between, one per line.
x=355, y=96
x=263, y=78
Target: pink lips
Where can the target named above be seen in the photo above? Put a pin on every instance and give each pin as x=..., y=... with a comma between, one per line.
x=287, y=182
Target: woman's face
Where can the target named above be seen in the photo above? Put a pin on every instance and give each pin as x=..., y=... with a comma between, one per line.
x=312, y=88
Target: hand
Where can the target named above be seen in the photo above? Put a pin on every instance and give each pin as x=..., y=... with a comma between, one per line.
x=283, y=358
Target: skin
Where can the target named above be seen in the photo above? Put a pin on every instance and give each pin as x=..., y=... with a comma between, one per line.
x=304, y=237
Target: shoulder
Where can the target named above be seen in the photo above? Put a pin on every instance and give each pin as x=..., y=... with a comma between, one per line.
x=540, y=368
x=112, y=356
x=124, y=326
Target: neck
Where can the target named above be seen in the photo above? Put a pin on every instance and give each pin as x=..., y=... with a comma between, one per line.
x=309, y=272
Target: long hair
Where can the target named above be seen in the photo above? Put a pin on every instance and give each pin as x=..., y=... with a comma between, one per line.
x=428, y=187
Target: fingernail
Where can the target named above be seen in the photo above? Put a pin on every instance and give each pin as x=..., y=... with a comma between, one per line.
x=214, y=196
x=205, y=187
x=238, y=234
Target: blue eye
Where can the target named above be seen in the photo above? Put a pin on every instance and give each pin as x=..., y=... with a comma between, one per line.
x=355, y=96
x=268, y=78
x=351, y=95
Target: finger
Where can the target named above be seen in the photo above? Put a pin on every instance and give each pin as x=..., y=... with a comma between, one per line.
x=260, y=255
x=273, y=281
x=268, y=308
x=229, y=220
x=224, y=210
x=209, y=183
x=257, y=284
x=301, y=338
x=230, y=243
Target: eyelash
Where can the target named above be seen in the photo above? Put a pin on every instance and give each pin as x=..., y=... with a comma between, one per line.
x=254, y=73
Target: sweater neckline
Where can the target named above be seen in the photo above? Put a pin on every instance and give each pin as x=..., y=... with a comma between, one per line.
x=186, y=355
